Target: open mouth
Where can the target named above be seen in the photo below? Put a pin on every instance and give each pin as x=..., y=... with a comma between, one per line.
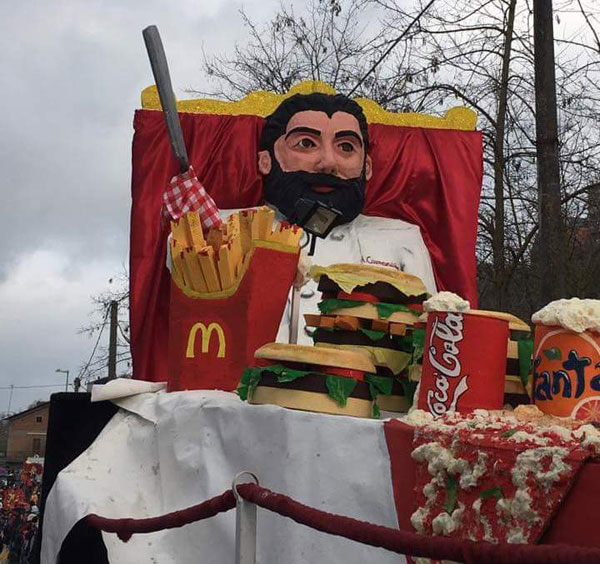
x=323, y=189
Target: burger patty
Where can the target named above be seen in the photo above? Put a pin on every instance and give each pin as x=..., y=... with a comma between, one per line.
x=359, y=338
x=383, y=291
x=315, y=382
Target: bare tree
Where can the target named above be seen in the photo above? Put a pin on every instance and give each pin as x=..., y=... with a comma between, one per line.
x=96, y=365
x=478, y=53
x=330, y=40
x=481, y=53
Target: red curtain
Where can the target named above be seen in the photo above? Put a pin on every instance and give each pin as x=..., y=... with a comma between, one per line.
x=428, y=177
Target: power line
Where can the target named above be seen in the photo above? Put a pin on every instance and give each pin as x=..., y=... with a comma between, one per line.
x=391, y=48
x=31, y=387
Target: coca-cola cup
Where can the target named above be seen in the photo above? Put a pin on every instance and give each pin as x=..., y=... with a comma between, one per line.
x=464, y=363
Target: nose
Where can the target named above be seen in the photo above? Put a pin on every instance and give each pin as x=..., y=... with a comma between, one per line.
x=327, y=161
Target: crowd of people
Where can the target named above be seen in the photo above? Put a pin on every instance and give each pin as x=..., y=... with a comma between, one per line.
x=19, y=513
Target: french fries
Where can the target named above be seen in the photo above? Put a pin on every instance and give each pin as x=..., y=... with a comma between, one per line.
x=216, y=260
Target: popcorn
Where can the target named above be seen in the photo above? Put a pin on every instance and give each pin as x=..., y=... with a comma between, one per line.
x=574, y=314
x=446, y=301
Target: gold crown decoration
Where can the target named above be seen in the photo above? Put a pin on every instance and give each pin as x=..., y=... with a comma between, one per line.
x=263, y=104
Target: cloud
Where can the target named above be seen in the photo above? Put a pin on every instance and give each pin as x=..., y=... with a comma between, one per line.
x=45, y=300
x=72, y=73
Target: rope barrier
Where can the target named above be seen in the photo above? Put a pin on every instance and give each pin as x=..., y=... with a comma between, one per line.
x=394, y=540
x=125, y=528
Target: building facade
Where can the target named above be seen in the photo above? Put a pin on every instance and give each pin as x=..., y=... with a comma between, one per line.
x=27, y=434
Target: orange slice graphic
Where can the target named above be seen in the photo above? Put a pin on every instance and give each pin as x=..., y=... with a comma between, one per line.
x=588, y=409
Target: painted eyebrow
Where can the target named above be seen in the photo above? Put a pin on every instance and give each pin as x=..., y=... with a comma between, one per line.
x=303, y=130
x=349, y=133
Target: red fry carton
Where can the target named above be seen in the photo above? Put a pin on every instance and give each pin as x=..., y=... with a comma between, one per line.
x=213, y=336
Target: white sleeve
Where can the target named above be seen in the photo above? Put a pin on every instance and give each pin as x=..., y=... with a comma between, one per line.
x=418, y=262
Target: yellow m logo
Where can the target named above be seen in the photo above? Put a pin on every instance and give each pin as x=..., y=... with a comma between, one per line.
x=206, y=335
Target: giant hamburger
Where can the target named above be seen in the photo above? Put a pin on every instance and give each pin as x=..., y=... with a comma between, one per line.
x=311, y=379
x=375, y=310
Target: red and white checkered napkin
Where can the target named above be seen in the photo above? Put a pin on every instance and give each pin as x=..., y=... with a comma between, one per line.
x=185, y=194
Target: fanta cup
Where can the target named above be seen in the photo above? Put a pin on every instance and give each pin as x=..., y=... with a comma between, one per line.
x=566, y=359
x=464, y=361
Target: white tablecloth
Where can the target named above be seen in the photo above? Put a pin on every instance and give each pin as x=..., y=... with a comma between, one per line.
x=162, y=452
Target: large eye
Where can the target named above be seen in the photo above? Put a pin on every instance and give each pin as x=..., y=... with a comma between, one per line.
x=347, y=147
x=306, y=143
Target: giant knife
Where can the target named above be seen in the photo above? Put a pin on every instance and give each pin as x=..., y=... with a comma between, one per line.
x=162, y=78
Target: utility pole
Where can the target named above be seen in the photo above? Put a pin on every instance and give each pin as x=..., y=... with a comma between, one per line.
x=10, y=398
x=67, y=379
x=551, y=252
x=112, y=343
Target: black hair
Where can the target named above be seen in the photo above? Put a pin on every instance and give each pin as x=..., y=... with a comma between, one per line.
x=276, y=123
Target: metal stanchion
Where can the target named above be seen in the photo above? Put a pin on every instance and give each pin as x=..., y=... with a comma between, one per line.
x=245, y=524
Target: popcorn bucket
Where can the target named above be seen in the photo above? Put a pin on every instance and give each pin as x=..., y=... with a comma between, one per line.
x=464, y=363
x=566, y=372
x=213, y=335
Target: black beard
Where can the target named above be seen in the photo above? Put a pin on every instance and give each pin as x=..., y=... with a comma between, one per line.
x=284, y=189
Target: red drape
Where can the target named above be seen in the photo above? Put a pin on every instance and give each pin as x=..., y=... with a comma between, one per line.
x=428, y=177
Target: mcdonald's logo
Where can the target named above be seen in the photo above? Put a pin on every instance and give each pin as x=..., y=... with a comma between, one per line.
x=206, y=335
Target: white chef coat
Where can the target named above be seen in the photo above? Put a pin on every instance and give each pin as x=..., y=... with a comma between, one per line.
x=378, y=241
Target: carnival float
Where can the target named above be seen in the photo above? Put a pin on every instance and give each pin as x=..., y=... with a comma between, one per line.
x=304, y=313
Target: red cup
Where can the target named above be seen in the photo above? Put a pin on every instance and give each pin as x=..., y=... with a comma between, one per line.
x=464, y=363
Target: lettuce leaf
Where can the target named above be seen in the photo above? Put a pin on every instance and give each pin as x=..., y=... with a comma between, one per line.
x=248, y=382
x=373, y=335
x=387, y=310
x=333, y=304
x=409, y=387
x=377, y=385
x=418, y=346
x=525, y=359
x=340, y=388
x=285, y=374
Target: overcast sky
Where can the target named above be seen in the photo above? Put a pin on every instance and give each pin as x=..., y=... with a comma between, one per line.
x=72, y=73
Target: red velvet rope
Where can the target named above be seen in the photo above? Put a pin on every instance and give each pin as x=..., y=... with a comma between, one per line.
x=127, y=527
x=402, y=542
x=413, y=544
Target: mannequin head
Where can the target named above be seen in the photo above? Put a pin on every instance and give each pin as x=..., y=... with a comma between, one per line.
x=314, y=146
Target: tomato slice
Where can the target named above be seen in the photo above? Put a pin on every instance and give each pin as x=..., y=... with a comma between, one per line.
x=358, y=297
x=344, y=372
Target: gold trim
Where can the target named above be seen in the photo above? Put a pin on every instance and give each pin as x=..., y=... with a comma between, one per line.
x=273, y=245
x=262, y=104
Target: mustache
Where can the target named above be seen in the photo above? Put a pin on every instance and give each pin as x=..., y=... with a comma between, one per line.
x=321, y=179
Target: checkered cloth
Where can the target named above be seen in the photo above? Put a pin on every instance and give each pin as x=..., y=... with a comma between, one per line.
x=184, y=194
